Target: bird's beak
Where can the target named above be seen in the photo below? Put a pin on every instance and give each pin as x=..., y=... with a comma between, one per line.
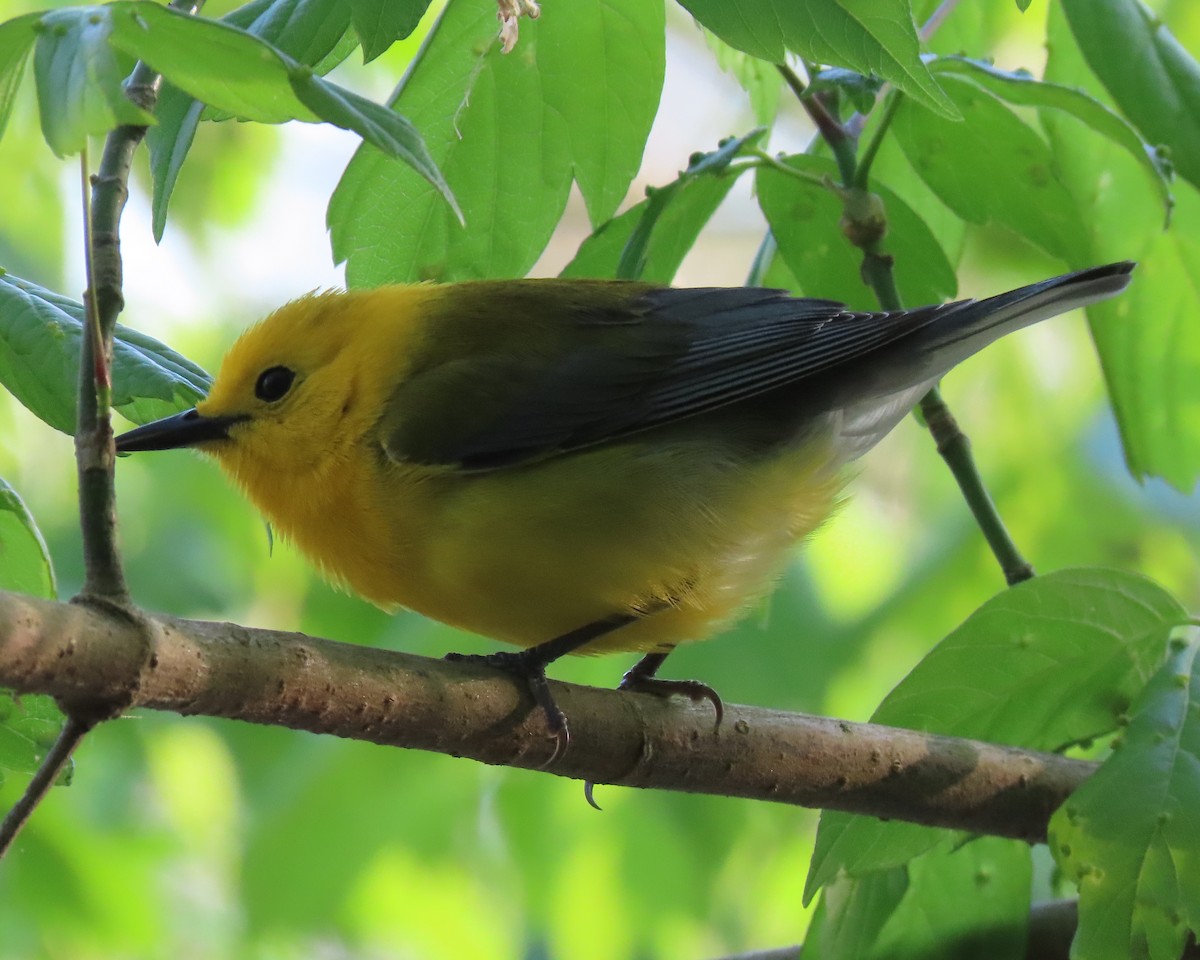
x=187, y=429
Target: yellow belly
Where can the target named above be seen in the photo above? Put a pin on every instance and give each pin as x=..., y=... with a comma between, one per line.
x=526, y=554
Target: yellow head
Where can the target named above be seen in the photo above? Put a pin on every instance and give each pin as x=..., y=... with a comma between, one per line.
x=294, y=386
x=299, y=388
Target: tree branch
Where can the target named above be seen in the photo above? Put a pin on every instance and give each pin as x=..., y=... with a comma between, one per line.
x=83, y=652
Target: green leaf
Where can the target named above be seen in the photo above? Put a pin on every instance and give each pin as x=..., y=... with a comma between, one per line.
x=1150, y=350
x=313, y=32
x=668, y=233
x=998, y=677
x=576, y=97
x=767, y=269
x=1024, y=90
x=870, y=36
x=602, y=66
x=1023, y=5
x=308, y=31
x=955, y=901
x=236, y=72
x=994, y=168
x=852, y=914
x=39, y=361
x=970, y=900
x=1130, y=835
x=380, y=23
x=29, y=725
x=25, y=565
x=214, y=62
x=804, y=216
x=16, y=40
x=376, y=124
x=169, y=142
x=1148, y=342
x=650, y=240
x=1154, y=80
x=79, y=82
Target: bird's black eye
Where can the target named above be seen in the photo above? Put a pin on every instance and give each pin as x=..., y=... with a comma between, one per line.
x=272, y=384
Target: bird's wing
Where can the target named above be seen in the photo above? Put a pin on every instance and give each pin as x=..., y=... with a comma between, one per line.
x=665, y=355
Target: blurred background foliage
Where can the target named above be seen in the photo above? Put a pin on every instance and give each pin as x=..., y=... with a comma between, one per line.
x=201, y=838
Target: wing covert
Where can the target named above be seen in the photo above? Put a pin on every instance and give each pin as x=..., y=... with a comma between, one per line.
x=671, y=354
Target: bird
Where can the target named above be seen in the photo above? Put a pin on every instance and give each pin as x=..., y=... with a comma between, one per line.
x=574, y=466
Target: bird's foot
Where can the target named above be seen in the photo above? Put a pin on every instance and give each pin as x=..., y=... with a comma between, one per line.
x=641, y=682
x=532, y=672
x=641, y=679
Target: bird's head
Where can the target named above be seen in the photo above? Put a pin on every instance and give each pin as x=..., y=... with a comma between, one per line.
x=291, y=392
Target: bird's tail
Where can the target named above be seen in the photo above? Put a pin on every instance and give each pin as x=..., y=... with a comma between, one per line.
x=867, y=405
x=967, y=327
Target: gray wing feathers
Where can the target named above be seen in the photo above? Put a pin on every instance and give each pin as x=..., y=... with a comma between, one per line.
x=699, y=350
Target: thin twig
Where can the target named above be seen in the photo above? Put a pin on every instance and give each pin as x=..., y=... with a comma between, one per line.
x=47, y=774
x=877, y=271
x=103, y=574
x=104, y=578
x=955, y=448
x=952, y=444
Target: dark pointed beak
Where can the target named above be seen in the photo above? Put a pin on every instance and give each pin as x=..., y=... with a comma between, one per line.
x=185, y=429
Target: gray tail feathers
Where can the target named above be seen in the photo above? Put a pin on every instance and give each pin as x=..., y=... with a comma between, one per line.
x=965, y=328
x=867, y=405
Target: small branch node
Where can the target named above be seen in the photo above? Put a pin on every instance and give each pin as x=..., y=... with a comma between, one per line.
x=864, y=219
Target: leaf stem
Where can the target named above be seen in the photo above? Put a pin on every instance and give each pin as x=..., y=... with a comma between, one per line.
x=832, y=132
x=863, y=171
x=936, y=19
x=763, y=159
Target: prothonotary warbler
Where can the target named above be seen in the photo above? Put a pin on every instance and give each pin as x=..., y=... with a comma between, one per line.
x=573, y=466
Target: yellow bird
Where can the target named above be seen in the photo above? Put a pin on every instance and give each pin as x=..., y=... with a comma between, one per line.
x=573, y=466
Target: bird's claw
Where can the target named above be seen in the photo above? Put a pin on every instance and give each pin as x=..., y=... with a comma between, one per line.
x=694, y=690
x=588, y=787
x=639, y=682
x=533, y=673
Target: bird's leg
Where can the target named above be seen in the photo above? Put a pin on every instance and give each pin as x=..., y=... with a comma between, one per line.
x=530, y=666
x=642, y=678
